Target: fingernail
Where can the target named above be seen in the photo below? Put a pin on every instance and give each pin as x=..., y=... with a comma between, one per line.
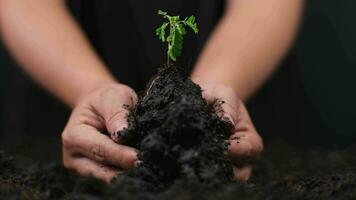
x=229, y=118
x=138, y=163
x=121, y=127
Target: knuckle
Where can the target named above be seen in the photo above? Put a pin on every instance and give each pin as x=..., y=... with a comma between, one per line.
x=66, y=138
x=119, y=89
x=260, y=146
x=98, y=153
x=107, y=90
x=129, y=94
x=249, y=150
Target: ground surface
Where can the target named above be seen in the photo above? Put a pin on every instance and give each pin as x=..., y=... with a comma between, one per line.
x=284, y=172
x=181, y=142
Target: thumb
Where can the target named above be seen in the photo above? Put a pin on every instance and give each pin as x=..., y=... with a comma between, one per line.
x=112, y=104
x=116, y=123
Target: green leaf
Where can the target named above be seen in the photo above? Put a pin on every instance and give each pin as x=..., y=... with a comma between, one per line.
x=191, y=19
x=176, y=46
x=173, y=19
x=191, y=23
x=161, y=32
x=180, y=28
x=160, y=12
x=177, y=30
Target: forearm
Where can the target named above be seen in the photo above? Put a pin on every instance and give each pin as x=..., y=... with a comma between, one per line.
x=49, y=45
x=248, y=43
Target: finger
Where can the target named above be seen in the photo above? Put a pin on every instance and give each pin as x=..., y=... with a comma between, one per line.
x=98, y=147
x=228, y=102
x=245, y=144
x=242, y=173
x=87, y=167
x=229, y=111
x=113, y=105
x=245, y=147
x=207, y=96
x=117, y=122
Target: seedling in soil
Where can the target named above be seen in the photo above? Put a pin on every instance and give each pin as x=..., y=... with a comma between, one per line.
x=174, y=40
x=178, y=135
x=177, y=30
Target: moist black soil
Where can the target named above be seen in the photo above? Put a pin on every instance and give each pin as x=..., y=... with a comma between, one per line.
x=182, y=145
x=178, y=135
x=283, y=172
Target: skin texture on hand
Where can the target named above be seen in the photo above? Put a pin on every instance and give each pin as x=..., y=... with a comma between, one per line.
x=86, y=149
x=245, y=143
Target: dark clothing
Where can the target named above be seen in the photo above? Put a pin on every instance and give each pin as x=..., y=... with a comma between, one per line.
x=123, y=33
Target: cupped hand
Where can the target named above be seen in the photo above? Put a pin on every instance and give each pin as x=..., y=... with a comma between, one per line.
x=86, y=149
x=245, y=143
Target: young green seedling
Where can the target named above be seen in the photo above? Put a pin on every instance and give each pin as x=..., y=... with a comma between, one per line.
x=176, y=33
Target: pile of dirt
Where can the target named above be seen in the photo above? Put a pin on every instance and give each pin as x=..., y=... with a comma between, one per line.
x=182, y=146
x=178, y=135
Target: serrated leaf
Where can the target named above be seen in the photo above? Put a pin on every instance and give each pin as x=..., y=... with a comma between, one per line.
x=192, y=24
x=175, y=49
x=177, y=30
x=160, y=12
x=194, y=27
x=161, y=32
x=191, y=19
x=180, y=28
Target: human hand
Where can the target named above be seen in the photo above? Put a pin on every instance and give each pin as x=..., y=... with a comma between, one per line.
x=245, y=143
x=85, y=149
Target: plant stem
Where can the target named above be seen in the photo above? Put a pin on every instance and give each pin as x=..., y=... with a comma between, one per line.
x=168, y=61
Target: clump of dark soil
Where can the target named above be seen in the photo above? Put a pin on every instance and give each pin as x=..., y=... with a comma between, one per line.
x=178, y=135
x=284, y=172
x=182, y=146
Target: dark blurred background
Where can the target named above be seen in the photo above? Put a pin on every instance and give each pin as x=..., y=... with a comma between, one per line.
x=310, y=101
